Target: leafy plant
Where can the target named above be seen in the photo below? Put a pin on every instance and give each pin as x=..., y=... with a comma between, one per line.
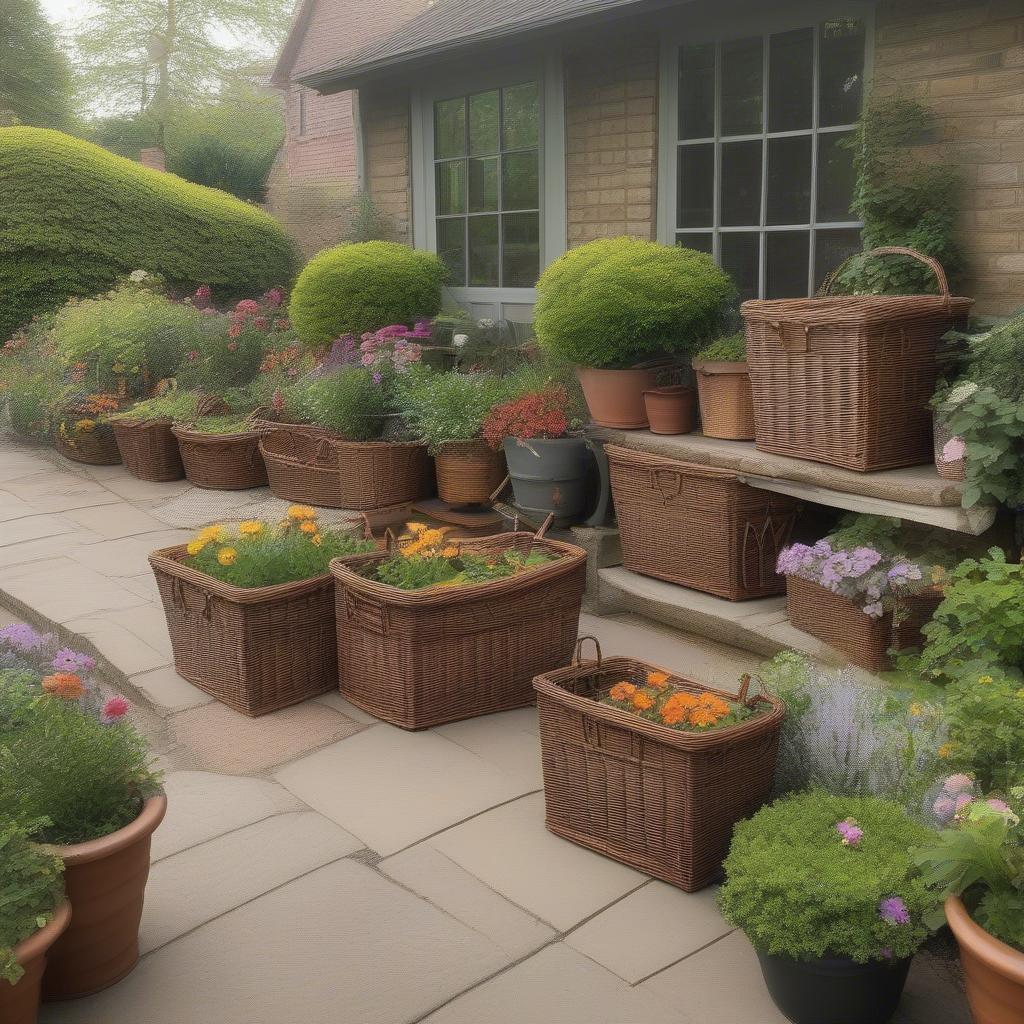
x=32, y=380
x=617, y=301
x=729, y=349
x=349, y=403
x=537, y=414
x=821, y=875
x=177, y=405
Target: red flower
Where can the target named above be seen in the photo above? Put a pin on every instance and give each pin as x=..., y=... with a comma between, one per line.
x=536, y=414
x=234, y=330
x=261, y=323
x=247, y=306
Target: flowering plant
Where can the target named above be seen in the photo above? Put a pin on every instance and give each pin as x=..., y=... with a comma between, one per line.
x=395, y=346
x=537, y=414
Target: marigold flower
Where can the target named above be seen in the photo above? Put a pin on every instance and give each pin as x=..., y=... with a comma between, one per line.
x=309, y=527
x=622, y=691
x=703, y=716
x=716, y=705
x=250, y=528
x=65, y=685
x=227, y=556
x=659, y=680
x=916, y=709
x=642, y=701
x=300, y=512
x=452, y=551
x=676, y=709
x=208, y=533
x=946, y=750
x=195, y=546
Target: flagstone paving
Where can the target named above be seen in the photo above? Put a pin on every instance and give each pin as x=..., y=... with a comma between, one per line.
x=319, y=867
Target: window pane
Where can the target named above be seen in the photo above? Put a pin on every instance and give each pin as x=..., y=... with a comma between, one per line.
x=789, y=180
x=836, y=177
x=483, y=122
x=483, y=252
x=841, y=74
x=741, y=260
x=519, y=183
x=521, y=116
x=741, y=86
x=696, y=186
x=451, y=186
x=786, y=256
x=520, y=250
x=697, y=91
x=741, y=183
x=791, y=80
x=483, y=185
x=451, y=248
x=831, y=248
x=701, y=242
x=450, y=128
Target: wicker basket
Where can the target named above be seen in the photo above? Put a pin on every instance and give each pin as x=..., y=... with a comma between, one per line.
x=955, y=470
x=149, y=449
x=698, y=526
x=96, y=447
x=726, y=401
x=442, y=654
x=468, y=472
x=303, y=466
x=660, y=800
x=256, y=650
x=222, y=462
x=377, y=474
x=847, y=380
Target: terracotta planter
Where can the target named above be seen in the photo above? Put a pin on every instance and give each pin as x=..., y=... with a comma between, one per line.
x=468, y=472
x=19, y=1003
x=615, y=398
x=993, y=971
x=670, y=409
x=726, y=400
x=105, y=881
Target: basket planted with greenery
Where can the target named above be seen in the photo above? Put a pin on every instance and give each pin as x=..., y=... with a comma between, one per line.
x=723, y=389
x=84, y=432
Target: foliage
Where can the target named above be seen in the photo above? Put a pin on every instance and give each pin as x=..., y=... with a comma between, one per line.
x=259, y=554
x=493, y=346
x=903, y=200
x=177, y=405
x=363, y=286
x=31, y=380
x=816, y=874
x=367, y=222
x=75, y=218
x=731, y=348
x=348, y=403
x=537, y=414
x=31, y=887
x=616, y=301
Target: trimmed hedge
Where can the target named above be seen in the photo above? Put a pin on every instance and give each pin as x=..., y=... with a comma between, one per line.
x=74, y=218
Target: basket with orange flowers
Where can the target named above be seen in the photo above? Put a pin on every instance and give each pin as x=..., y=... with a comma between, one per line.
x=651, y=768
x=84, y=433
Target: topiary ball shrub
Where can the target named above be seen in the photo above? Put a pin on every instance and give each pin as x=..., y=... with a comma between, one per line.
x=75, y=218
x=617, y=301
x=361, y=287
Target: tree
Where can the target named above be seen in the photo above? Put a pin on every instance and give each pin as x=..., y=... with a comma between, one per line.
x=35, y=78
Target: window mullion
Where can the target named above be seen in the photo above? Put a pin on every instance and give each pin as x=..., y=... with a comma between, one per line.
x=815, y=117
x=765, y=85
x=716, y=191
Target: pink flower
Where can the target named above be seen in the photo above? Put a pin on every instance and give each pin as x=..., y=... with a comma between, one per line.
x=277, y=401
x=247, y=306
x=958, y=783
x=368, y=359
x=954, y=450
x=234, y=330
x=193, y=356
x=998, y=805
x=885, y=953
x=851, y=832
x=113, y=710
x=282, y=324
x=944, y=808
x=203, y=291
x=894, y=911
x=274, y=297
x=261, y=323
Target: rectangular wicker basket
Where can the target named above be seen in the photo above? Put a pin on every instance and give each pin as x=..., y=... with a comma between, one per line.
x=424, y=657
x=657, y=799
x=698, y=526
x=255, y=649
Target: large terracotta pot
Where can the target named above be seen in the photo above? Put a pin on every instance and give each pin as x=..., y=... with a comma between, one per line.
x=993, y=971
x=105, y=881
x=19, y=1003
x=616, y=397
x=468, y=472
x=670, y=410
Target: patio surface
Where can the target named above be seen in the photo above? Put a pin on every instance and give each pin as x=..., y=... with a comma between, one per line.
x=319, y=866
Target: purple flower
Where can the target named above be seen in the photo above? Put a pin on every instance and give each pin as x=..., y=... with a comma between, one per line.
x=23, y=638
x=67, y=660
x=885, y=953
x=998, y=805
x=874, y=609
x=958, y=783
x=944, y=808
x=894, y=911
x=378, y=377
x=851, y=832
x=962, y=801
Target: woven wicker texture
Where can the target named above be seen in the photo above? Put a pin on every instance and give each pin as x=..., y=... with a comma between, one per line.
x=149, y=450
x=376, y=474
x=955, y=470
x=96, y=448
x=255, y=650
x=726, y=401
x=222, y=462
x=303, y=466
x=698, y=526
x=662, y=801
x=469, y=472
x=442, y=654
x=847, y=380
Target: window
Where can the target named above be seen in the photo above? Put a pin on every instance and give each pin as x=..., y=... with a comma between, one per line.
x=302, y=112
x=763, y=178
x=487, y=187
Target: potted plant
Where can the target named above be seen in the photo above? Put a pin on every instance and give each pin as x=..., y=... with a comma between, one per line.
x=144, y=435
x=977, y=863
x=250, y=609
x=616, y=306
x=35, y=914
x=950, y=448
x=547, y=467
x=825, y=889
x=723, y=388
x=84, y=432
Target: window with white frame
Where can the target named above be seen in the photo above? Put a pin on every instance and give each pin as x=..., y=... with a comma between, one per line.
x=764, y=175
x=487, y=186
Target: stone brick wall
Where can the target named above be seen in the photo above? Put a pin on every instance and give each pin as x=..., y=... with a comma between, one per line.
x=965, y=60
x=386, y=155
x=611, y=121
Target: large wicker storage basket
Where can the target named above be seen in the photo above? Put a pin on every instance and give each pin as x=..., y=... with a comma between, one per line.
x=303, y=466
x=847, y=380
x=698, y=526
x=377, y=474
x=222, y=462
x=660, y=800
x=256, y=650
x=149, y=449
x=422, y=658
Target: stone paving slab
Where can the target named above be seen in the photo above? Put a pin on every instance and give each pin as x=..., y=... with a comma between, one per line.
x=509, y=740
x=169, y=692
x=123, y=521
x=18, y=531
x=128, y=556
x=122, y=647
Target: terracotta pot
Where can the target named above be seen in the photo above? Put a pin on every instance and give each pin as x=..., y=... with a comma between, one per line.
x=105, y=881
x=670, y=409
x=993, y=971
x=726, y=399
x=19, y=1003
x=615, y=398
x=468, y=472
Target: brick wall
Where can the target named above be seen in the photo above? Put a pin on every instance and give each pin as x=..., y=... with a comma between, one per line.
x=965, y=60
x=611, y=120
x=386, y=155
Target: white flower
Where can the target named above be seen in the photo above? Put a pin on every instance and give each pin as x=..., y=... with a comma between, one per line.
x=486, y=323
x=874, y=610
x=138, y=276
x=960, y=393
x=954, y=450
x=460, y=340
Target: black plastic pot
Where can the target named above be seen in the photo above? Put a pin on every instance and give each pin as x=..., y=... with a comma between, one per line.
x=834, y=991
x=549, y=476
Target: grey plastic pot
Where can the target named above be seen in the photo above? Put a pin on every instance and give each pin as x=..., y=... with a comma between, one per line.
x=549, y=476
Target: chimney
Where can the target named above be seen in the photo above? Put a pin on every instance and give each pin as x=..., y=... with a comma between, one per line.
x=153, y=157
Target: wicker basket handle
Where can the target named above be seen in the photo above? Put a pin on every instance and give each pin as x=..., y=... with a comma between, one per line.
x=544, y=527
x=367, y=529
x=892, y=250
x=390, y=540
x=677, y=477
x=577, y=654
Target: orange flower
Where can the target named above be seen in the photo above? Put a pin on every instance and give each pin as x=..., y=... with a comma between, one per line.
x=309, y=527
x=64, y=684
x=622, y=691
x=642, y=701
x=715, y=705
x=703, y=716
x=677, y=708
x=659, y=680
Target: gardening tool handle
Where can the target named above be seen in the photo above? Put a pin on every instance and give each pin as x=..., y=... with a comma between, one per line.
x=496, y=493
x=577, y=654
x=741, y=697
x=891, y=250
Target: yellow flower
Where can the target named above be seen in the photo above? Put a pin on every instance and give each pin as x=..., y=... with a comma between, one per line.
x=208, y=533
x=85, y=426
x=938, y=574
x=916, y=709
x=250, y=528
x=451, y=551
x=416, y=527
x=299, y=512
x=317, y=540
x=227, y=556
x=945, y=750
x=984, y=680
x=308, y=527
x=195, y=546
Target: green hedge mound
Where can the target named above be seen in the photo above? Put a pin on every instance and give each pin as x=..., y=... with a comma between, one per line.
x=74, y=218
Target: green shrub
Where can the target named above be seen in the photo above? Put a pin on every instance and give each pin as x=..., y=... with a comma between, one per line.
x=618, y=301
x=729, y=349
x=177, y=405
x=31, y=380
x=75, y=218
x=361, y=287
x=348, y=403
x=797, y=890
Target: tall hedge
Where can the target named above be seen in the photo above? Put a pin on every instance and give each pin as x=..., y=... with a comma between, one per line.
x=73, y=218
